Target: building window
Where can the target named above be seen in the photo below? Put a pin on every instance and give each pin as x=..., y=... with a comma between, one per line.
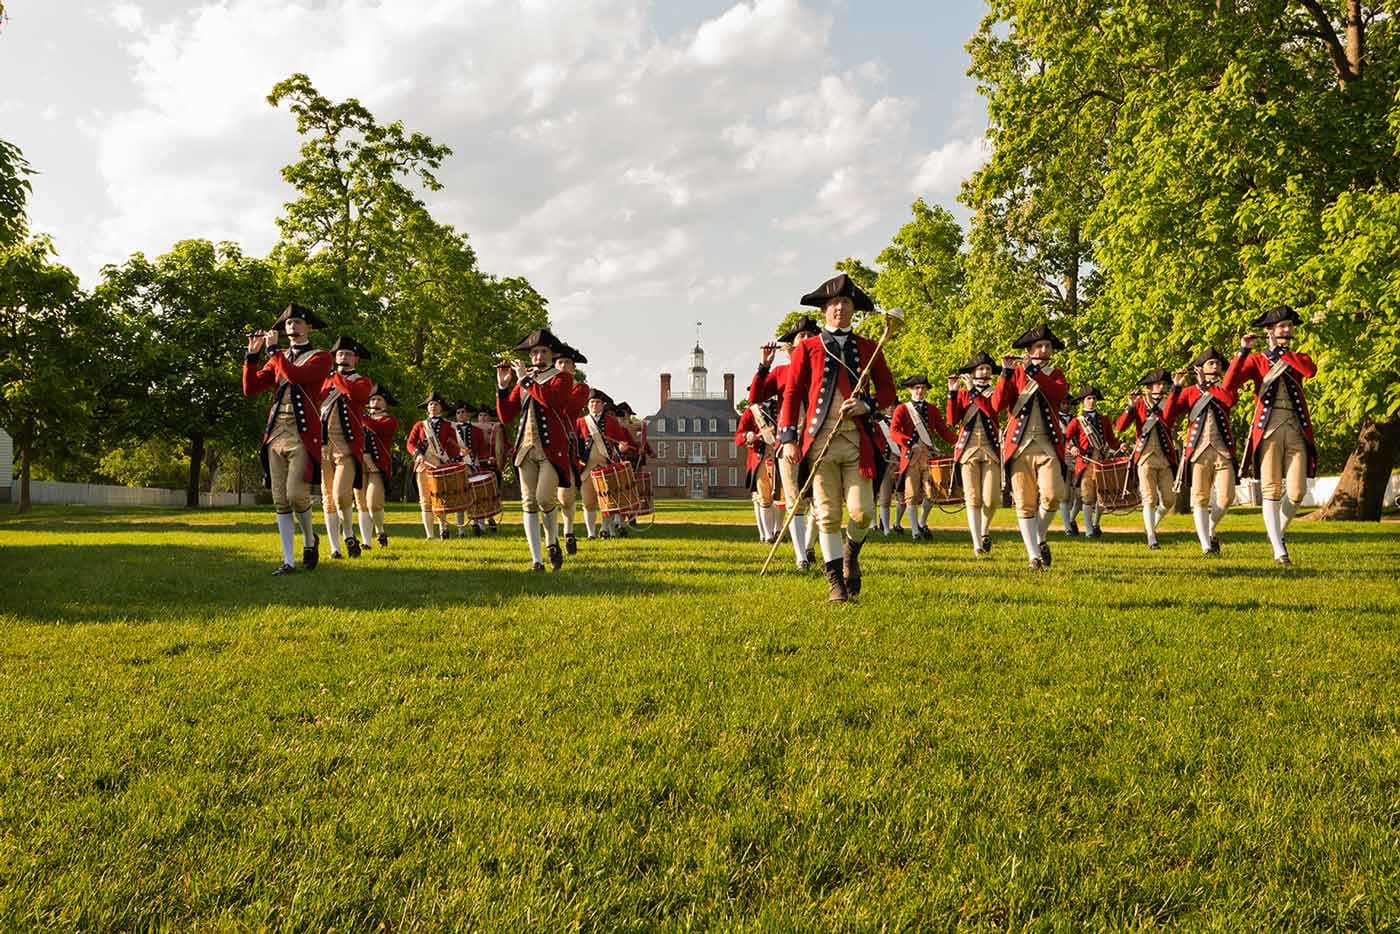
x=658, y=424
x=714, y=425
x=661, y=476
x=714, y=476
x=680, y=450
x=682, y=477
x=733, y=476
x=714, y=450
x=680, y=426
x=733, y=450
x=661, y=449
x=733, y=425
x=695, y=425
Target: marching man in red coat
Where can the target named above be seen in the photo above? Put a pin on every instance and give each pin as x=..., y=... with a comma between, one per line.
x=433, y=443
x=602, y=440
x=566, y=358
x=977, y=451
x=343, y=398
x=1089, y=437
x=913, y=427
x=768, y=383
x=291, y=447
x=758, y=433
x=1154, y=454
x=822, y=377
x=1281, y=453
x=1210, y=446
x=1032, y=449
x=380, y=428
x=543, y=398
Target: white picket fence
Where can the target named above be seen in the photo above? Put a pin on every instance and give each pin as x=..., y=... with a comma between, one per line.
x=1320, y=490
x=53, y=493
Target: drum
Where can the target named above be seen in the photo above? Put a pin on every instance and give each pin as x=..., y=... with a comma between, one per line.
x=447, y=488
x=617, y=489
x=943, y=478
x=1117, y=483
x=646, y=503
x=483, y=499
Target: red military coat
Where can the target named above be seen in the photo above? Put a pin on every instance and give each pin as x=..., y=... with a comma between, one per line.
x=1221, y=401
x=1246, y=367
x=812, y=380
x=767, y=383
x=1137, y=414
x=906, y=432
x=1051, y=389
x=475, y=442
x=612, y=431
x=552, y=395
x=302, y=380
x=354, y=391
x=960, y=404
x=757, y=451
x=379, y=440
x=421, y=431
x=1081, y=436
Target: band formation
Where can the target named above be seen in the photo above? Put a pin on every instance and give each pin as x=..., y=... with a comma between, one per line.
x=826, y=436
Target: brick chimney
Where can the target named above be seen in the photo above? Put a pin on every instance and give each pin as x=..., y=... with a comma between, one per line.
x=729, y=387
x=665, y=389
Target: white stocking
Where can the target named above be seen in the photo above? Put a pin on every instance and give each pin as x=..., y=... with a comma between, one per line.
x=923, y=514
x=974, y=526
x=1202, y=514
x=1273, y=526
x=885, y=517
x=1217, y=513
x=833, y=548
x=428, y=524
x=532, y=536
x=797, y=529
x=286, y=531
x=1030, y=535
x=308, y=528
x=1043, y=522
x=770, y=519
x=366, y=525
x=899, y=515
x=551, y=527
x=1289, y=509
x=333, y=528
x=1149, y=523
x=590, y=521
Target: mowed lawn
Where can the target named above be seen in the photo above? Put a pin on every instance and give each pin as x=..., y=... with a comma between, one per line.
x=432, y=737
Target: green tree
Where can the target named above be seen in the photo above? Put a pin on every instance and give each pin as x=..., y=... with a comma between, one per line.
x=14, y=193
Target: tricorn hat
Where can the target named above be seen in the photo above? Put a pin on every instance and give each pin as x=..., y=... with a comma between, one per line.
x=540, y=337
x=433, y=396
x=835, y=287
x=981, y=358
x=804, y=325
x=296, y=311
x=381, y=390
x=1086, y=392
x=918, y=379
x=349, y=343
x=1041, y=332
x=1158, y=375
x=1210, y=353
x=486, y=410
x=599, y=394
x=624, y=409
x=569, y=352
x=1277, y=315
x=464, y=404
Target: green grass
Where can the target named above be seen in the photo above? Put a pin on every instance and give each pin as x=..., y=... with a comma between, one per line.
x=432, y=737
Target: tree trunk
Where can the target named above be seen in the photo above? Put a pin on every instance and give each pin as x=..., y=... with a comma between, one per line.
x=215, y=463
x=1360, y=491
x=1072, y=274
x=196, y=461
x=24, y=458
x=1356, y=37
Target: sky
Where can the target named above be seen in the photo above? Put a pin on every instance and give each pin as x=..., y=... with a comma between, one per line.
x=646, y=165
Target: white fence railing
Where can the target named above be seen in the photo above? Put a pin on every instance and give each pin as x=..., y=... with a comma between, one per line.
x=1320, y=490
x=53, y=493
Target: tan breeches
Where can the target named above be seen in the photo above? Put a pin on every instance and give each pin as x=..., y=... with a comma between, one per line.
x=887, y=484
x=838, y=483
x=371, y=498
x=1283, y=463
x=788, y=473
x=1155, y=481
x=287, y=461
x=1037, y=483
x=764, y=494
x=1213, y=470
x=917, y=485
x=539, y=483
x=337, y=481
x=981, y=480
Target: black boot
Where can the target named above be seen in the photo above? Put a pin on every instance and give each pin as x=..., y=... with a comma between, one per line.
x=986, y=544
x=352, y=547
x=571, y=544
x=1045, y=557
x=383, y=540
x=851, y=560
x=836, y=578
x=311, y=554
x=556, y=556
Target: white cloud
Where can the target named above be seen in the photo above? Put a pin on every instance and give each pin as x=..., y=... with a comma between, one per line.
x=942, y=171
x=759, y=35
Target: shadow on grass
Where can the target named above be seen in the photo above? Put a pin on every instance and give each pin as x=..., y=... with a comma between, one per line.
x=105, y=583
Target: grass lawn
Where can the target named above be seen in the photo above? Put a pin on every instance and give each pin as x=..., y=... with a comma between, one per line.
x=432, y=737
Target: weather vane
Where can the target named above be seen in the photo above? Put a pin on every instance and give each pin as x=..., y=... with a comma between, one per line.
x=697, y=332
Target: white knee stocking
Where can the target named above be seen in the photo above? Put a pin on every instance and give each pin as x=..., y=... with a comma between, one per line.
x=1273, y=526
x=532, y=536
x=1030, y=535
x=833, y=548
x=1202, y=514
x=286, y=532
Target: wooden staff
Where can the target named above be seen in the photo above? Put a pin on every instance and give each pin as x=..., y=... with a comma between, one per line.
x=894, y=318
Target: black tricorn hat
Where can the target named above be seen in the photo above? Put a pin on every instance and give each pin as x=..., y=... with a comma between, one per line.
x=464, y=404
x=624, y=409
x=570, y=352
x=296, y=311
x=918, y=379
x=1041, y=332
x=1086, y=392
x=835, y=287
x=540, y=337
x=981, y=358
x=1210, y=353
x=599, y=394
x=1277, y=315
x=1158, y=375
x=433, y=396
x=349, y=343
x=486, y=410
x=380, y=390
x=804, y=325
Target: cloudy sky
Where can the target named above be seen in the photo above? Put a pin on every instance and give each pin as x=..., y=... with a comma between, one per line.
x=646, y=165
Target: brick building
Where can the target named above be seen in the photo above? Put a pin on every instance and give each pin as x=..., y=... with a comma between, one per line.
x=692, y=434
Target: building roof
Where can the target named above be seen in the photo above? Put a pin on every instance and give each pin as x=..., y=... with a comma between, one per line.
x=692, y=408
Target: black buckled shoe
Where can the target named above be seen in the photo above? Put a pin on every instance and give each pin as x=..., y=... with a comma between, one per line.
x=836, y=578
x=311, y=554
x=383, y=541
x=336, y=556
x=571, y=544
x=1214, y=545
x=622, y=531
x=851, y=566
x=1045, y=557
x=491, y=524
x=986, y=544
x=352, y=547
x=1073, y=529
x=476, y=530
x=365, y=546
x=803, y=567
x=537, y=566
x=284, y=569
x=1037, y=564
x=442, y=532
x=556, y=556
x=604, y=534
x=811, y=556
